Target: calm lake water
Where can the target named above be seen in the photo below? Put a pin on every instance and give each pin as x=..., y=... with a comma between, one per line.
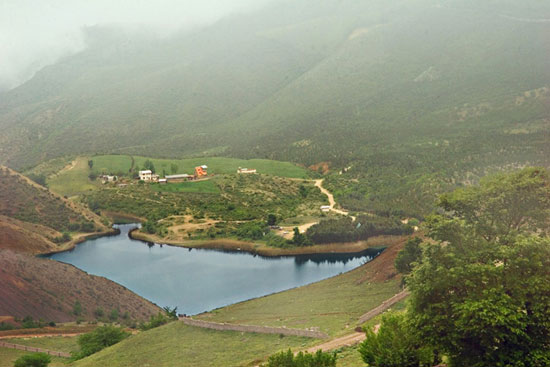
x=200, y=280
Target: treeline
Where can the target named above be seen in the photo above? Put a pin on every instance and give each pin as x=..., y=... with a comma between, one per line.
x=347, y=230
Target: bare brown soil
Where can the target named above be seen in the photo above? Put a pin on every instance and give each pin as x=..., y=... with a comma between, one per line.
x=47, y=289
x=23, y=198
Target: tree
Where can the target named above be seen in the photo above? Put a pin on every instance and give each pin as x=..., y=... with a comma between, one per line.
x=77, y=308
x=149, y=165
x=501, y=206
x=396, y=344
x=98, y=339
x=411, y=253
x=90, y=163
x=174, y=168
x=39, y=179
x=271, y=219
x=114, y=315
x=288, y=359
x=33, y=360
x=481, y=294
x=171, y=313
x=300, y=239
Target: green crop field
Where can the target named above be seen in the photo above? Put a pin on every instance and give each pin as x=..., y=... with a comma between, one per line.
x=207, y=187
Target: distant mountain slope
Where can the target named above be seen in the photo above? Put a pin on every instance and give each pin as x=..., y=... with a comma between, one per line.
x=32, y=218
x=439, y=90
x=48, y=289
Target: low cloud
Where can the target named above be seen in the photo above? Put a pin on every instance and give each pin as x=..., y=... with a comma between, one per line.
x=34, y=34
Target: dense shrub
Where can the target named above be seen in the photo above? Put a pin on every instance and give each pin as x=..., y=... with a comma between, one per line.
x=98, y=339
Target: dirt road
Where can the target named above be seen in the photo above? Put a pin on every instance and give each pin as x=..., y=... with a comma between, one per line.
x=331, y=201
x=344, y=341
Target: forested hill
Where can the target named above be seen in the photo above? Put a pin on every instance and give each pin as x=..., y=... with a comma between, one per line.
x=427, y=87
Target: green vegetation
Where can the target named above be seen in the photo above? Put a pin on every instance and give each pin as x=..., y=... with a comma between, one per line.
x=477, y=291
x=57, y=343
x=33, y=360
x=288, y=359
x=407, y=124
x=351, y=294
x=122, y=165
x=9, y=356
x=98, y=339
x=347, y=230
x=237, y=206
x=207, y=187
x=178, y=345
x=396, y=344
x=409, y=256
x=72, y=180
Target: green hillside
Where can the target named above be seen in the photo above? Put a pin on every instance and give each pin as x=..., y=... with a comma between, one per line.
x=416, y=97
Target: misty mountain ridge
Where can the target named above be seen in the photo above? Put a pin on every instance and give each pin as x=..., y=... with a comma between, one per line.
x=427, y=87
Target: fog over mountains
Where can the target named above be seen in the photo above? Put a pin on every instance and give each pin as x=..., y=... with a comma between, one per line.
x=425, y=86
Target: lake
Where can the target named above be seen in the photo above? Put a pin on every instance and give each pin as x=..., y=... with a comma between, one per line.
x=197, y=280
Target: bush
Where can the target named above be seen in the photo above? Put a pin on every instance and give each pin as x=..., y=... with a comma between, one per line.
x=33, y=360
x=288, y=359
x=155, y=321
x=396, y=344
x=102, y=337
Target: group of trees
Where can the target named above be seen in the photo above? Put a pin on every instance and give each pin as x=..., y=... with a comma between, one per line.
x=480, y=294
x=347, y=230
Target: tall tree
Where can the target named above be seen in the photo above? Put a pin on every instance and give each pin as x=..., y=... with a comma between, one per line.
x=481, y=294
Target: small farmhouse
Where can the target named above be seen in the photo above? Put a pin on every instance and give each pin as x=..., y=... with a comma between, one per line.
x=201, y=171
x=148, y=176
x=246, y=170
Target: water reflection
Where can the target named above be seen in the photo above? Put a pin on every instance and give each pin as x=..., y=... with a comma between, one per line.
x=197, y=280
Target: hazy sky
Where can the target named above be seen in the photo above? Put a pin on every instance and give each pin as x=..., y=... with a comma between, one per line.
x=35, y=33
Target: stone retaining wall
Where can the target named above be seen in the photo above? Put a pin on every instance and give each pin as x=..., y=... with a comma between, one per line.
x=254, y=329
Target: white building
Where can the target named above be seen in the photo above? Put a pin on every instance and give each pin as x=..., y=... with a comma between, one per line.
x=325, y=208
x=246, y=170
x=146, y=175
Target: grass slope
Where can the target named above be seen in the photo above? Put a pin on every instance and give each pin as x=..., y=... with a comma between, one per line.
x=178, y=345
x=72, y=179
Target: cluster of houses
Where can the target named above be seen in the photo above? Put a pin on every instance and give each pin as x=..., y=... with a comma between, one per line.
x=148, y=176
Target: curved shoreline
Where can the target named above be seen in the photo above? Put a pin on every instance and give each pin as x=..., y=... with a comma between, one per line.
x=82, y=238
x=264, y=250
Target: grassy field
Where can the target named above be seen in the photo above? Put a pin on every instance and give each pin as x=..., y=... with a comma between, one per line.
x=72, y=180
x=207, y=187
x=56, y=343
x=333, y=305
x=176, y=344
x=121, y=164
x=8, y=357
